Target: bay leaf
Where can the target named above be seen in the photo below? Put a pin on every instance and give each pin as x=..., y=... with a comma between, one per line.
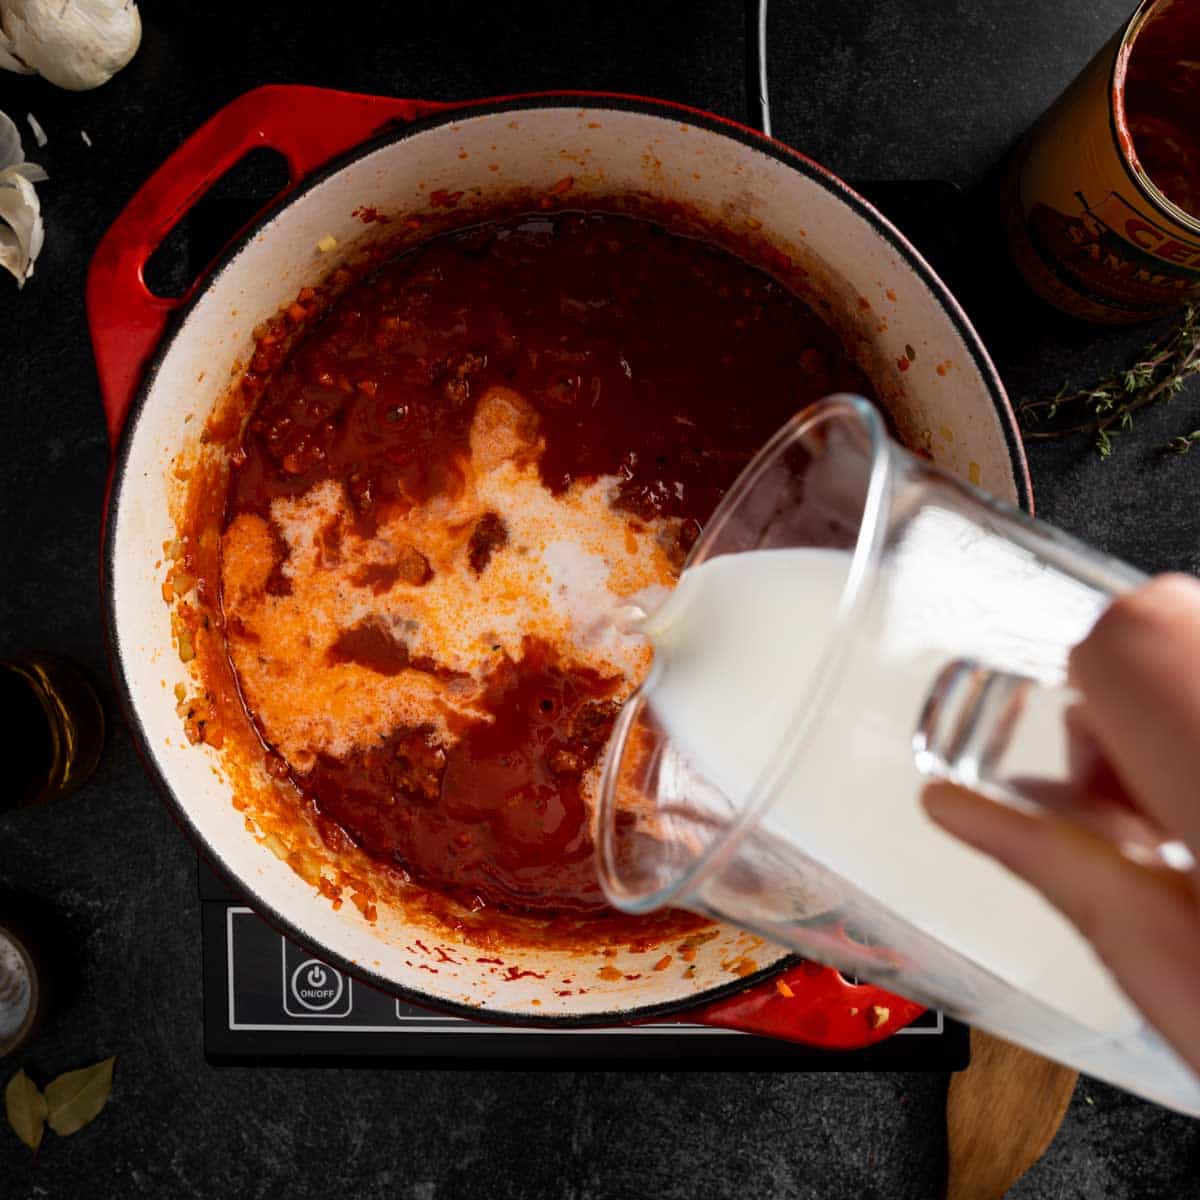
x=76, y=1098
x=26, y=1109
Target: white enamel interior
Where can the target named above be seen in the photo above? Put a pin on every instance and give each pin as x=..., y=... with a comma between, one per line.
x=606, y=151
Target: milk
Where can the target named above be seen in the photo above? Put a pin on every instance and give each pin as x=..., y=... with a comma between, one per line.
x=742, y=643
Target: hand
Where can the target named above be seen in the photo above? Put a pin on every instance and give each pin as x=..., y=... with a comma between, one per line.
x=1138, y=729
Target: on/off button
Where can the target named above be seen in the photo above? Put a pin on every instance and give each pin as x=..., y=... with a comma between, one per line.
x=317, y=988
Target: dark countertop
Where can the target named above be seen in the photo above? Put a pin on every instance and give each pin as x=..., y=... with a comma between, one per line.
x=912, y=89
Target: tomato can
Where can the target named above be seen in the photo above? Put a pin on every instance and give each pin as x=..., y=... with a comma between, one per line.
x=1100, y=198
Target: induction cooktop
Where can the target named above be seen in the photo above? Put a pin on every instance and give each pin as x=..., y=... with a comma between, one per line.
x=269, y=1001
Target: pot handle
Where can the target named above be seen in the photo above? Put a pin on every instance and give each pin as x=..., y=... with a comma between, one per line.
x=307, y=125
x=812, y=1004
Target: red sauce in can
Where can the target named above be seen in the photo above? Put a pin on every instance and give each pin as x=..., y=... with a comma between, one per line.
x=1162, y=103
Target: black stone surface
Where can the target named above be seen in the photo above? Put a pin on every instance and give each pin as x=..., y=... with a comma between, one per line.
x=910, y=89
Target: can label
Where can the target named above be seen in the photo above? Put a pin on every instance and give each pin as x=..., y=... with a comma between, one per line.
x=1089, y=230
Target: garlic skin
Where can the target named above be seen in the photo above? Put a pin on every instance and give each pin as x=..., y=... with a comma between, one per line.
x=21, y=229
x=8, y=62
x=75, y=44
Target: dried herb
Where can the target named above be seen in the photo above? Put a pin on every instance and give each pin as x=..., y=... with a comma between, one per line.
x=26, y=1109
x=69, y=1103
x=1107, y=409
x=76, y=1098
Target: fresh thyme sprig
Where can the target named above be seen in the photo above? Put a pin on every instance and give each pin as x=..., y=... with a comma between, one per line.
x=1107, y=409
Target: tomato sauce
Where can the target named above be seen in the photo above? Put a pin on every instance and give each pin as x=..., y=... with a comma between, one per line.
x=1162, y=103
x=630, y=354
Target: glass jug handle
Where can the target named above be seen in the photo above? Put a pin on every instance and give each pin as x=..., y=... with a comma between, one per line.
x=999, y=733
x=1005, y=736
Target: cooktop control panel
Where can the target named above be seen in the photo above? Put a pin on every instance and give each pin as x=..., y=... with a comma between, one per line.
x=268, y=1000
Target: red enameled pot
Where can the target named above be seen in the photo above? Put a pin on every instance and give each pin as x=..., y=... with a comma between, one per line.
x=164, y=364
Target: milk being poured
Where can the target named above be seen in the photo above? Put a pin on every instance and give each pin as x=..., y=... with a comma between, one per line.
x=738, y=650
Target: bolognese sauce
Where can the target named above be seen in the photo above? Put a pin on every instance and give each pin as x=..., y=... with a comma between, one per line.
x=446, y=491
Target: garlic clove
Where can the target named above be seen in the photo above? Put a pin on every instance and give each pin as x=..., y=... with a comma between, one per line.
x=12, y=153
x=30, y=171
x=21, y=229
x=19, y=207
x=12, y=256
x=75, y=44
x=10, y=142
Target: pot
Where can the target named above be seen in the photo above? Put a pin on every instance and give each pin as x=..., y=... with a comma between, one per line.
x=162, y=362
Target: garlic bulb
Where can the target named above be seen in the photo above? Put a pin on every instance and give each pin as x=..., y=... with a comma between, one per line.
x=76, y=44
x=21, y=231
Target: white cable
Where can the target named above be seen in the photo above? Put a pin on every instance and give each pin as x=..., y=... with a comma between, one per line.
x=764, y=101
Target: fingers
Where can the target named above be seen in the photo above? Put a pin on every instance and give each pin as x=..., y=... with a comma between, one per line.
x=1093, y=795
x=1143, y=921
x=1090, y=771
x=1106, y=815
x=1139, y=675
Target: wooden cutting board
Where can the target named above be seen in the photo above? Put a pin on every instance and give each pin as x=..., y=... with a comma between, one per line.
x=1002, y=1113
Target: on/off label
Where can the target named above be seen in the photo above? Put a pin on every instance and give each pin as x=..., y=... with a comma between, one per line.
x=312, y=988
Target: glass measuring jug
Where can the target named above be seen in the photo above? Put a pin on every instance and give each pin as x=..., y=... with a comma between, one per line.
x=852, y=621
